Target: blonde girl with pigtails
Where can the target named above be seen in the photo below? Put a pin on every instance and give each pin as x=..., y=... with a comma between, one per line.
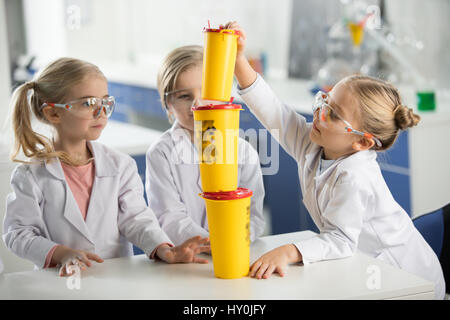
x=75, y=200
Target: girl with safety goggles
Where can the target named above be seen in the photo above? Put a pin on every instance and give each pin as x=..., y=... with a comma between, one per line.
x=76, y=199
x=341, y=182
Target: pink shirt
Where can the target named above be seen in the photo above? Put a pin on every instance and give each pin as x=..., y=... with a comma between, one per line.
x=81, y=180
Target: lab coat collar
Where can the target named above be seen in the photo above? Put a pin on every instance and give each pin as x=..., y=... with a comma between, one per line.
x=73, y=215
x=185, y=151
x=54, y=167
x=360, y=158
x=104, y=167
x=343, y=163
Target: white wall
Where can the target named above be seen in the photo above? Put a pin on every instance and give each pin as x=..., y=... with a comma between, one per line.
x=4, y=63
x=427, y=21
x=10, y=261
x=142, y=32
x=45, y=28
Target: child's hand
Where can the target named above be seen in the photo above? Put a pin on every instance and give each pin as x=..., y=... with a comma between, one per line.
x=241, y=40
x=275, y=260
x=69, y=259
x=245, y=75
x=186, y=252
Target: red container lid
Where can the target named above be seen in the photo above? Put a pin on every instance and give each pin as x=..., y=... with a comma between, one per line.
x=239, y=193
x=221, y=29
x=228, y=106
x=228, y=31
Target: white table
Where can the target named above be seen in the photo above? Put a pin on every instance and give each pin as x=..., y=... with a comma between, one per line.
x=138, y=277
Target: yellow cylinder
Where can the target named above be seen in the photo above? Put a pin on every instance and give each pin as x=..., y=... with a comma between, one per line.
x=228, y=216
x=219, y=57
x=357, y=33
x=216, y=136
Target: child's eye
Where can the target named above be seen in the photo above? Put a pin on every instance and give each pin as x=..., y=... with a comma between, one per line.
x=185, y=97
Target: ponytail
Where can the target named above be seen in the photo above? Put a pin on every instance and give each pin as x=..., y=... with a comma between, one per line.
x=52, y=84
x=33, y=144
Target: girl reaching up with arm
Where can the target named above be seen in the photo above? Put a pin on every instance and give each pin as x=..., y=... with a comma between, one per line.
x=341, y=181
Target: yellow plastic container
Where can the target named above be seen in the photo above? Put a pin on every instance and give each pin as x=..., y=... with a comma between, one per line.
x=228, y=216
x=216, y=139
x=219, y=58
x=357, y=33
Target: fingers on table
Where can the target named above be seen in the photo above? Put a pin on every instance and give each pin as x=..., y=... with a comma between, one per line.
x=263, y=270
x=94, y=257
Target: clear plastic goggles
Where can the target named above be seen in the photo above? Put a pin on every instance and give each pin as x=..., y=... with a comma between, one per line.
x=324, y=111
x=186, y=98
x=87, y=108
x=329, y=118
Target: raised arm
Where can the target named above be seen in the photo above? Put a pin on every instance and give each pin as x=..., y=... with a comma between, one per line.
x=287, y=126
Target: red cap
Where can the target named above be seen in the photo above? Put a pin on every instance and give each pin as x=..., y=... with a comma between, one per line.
x=221, y=29
x=239, y=193
x=228, y=31
x=218, y=106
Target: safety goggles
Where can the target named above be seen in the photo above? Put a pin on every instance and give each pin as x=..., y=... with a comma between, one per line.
x=329, y=118
x=186, y=98
x=87, y=108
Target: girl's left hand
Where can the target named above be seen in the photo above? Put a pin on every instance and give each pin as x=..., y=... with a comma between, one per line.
x=186, y=252
x=275, y=260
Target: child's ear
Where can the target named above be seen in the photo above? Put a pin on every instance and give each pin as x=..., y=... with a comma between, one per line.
x=363, y=144
x=52, y=115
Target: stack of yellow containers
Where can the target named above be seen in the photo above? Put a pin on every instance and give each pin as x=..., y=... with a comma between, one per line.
x=216, y=139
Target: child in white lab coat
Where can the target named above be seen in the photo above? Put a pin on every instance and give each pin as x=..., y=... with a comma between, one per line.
x=341, y=181
x=172, y=174
x=75, y=200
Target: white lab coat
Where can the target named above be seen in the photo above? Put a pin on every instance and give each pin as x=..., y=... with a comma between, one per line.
x=349, y=202
x=173, y=185
x=42, y=211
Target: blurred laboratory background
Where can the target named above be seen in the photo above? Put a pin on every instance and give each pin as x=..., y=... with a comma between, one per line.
x=299, y=46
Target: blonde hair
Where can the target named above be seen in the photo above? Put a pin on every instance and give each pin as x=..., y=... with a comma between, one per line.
x=51, y=85
x=175, y=63
x=382, y=112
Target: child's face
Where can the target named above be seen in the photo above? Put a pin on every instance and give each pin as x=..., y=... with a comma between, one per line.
x=75, y=128
x=188, y=89
x=331, y=134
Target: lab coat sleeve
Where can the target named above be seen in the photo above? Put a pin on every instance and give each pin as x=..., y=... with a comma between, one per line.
x=251, y=178
x=287, y=126
x=164, y=199
x=136, y=220
x=342, y=223
x=24, y=230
